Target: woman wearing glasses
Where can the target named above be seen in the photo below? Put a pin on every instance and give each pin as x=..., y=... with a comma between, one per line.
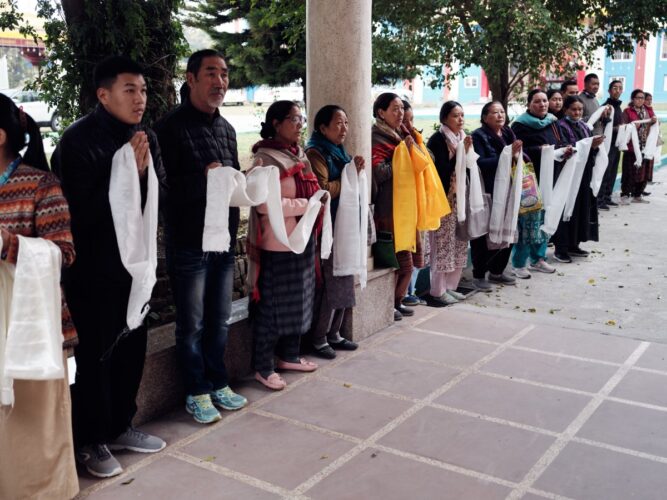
x=283, y=282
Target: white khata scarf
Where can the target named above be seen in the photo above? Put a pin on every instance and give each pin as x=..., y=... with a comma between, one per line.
x=467, y=160
x=506, y=199
x=227, y=187
x=136, y=232
x=351, y=230
x=31, y=336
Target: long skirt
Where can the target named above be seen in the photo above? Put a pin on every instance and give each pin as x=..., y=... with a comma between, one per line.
x=634, y=179
x=447, y=253
x=285, y=308
x=36, y=450
x=335, y=296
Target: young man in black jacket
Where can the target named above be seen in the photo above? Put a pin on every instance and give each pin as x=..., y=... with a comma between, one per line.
x=97, y=286
x=609, y=179
x=195, y=139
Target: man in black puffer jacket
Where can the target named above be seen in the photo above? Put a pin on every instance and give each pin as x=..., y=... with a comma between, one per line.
x=195, y=139
x=97, y=286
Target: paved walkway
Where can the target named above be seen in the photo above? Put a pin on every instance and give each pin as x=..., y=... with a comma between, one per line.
x=457, y=403
x=620, y=289
x=486, y=399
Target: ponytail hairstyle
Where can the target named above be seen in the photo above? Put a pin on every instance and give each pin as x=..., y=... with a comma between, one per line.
x=21, y=129
x=279, y=110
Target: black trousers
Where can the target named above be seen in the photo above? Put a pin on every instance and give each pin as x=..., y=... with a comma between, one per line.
x=105, y=390
x=485, y=259
x=609, y=179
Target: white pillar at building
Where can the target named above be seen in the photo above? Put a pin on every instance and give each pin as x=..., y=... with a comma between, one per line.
x=650, y=63
x=338, y=66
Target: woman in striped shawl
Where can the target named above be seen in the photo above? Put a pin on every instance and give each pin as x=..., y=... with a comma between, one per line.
x=386, y=134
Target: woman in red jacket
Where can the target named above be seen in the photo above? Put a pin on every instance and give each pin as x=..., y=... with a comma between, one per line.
x=634, y=179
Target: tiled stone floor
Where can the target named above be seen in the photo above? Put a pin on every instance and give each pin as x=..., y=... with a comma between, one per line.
x=453, y=404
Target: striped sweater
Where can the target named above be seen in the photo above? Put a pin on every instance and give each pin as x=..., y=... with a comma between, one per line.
x=32, y=204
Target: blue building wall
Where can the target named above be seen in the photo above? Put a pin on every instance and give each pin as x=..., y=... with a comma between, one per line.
x=470, y=94
x=659, y=90
x=625, y=69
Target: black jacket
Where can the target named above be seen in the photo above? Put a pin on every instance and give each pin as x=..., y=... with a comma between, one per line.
x=190, y=140
x=82, y=161
x=618, y=117
x=533, y=140
x=443, y=164
x=489, y=149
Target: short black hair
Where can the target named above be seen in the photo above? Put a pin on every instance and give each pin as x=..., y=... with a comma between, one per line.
x=447, y=108
x=107, y=70
x=196, y=58
x=637, y=91
x=406, y=105
x=486, y=109
x=570, y=100
x=325, y=115
x=532, y=94
x=614, y=82
x=553, y=92
x=567, y=83
x=279, y=110
x=383, y=101
x=589, y=77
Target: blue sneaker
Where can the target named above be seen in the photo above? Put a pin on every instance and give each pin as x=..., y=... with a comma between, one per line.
x=227, y=399
x=202, y=409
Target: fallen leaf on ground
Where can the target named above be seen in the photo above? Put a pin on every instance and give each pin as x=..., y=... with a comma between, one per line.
x=129, y=481
x=210, y=458
x=610, y=322
x=347, y=385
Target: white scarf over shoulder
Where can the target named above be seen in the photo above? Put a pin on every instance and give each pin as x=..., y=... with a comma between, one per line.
x=506, y=199
x=467, y=160
x=227, y=187
x=31, y=335
x=602, y=158
x=136, y=231
x=351, y=230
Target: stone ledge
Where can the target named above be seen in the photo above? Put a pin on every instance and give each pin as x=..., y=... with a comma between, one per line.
x=161, y=386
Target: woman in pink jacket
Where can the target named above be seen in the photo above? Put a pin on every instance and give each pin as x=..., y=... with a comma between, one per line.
x=283, y=282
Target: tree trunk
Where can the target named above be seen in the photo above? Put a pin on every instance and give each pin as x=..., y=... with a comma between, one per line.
x=499, y=85
x=75, y=14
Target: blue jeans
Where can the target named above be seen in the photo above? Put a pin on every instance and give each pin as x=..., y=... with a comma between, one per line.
x=202, y=286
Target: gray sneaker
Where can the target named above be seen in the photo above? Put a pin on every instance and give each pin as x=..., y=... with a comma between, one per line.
x=98, y=460
x=502, y=279
x=135, y=440
x=482, y=284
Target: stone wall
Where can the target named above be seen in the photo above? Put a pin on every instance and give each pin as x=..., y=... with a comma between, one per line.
x=162, y=303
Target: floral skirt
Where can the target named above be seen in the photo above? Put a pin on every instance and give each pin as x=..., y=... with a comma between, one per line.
x=447, y=253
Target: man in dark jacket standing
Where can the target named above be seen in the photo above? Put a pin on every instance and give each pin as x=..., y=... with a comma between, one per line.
x=195, y=139
x=609, y=179
x=97, y=286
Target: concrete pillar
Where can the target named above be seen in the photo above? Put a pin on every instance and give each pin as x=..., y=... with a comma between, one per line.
x=338, y=66
x=338, y=69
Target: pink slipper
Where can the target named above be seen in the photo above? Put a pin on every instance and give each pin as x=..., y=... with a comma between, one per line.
x=273, y=381
x=302, y=366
